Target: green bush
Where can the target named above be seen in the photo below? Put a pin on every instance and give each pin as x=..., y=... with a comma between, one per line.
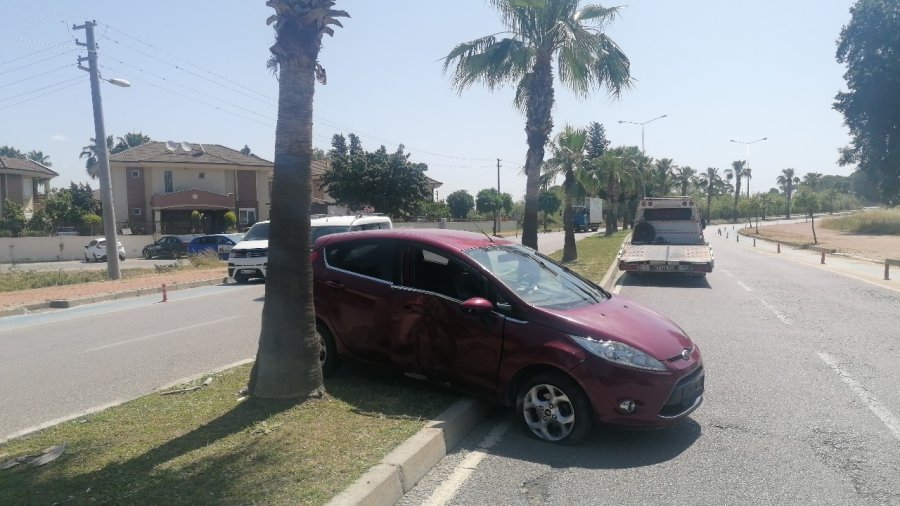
x=230, y=221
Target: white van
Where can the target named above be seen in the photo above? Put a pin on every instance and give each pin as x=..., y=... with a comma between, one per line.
x=250, y=257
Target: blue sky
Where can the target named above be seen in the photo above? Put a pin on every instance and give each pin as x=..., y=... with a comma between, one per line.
x=720, y=70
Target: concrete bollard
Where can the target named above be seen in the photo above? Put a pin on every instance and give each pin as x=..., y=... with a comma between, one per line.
x=737, y=237
x=887, y=270
x=164, y=295
x=823, y=258
x=754, y=242
x=726, y=234
x=779, y=247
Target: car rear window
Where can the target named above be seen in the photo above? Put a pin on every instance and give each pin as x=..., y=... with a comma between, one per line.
x=372, y=258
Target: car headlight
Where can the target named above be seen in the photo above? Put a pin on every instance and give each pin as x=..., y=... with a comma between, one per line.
x=619, y=353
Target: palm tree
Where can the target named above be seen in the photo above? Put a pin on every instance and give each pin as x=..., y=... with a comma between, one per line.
x=748, y=175
x=568, y=160
x=662, y=177
x=90, y=152
x=709, y=183
x=539, y=34
x=685, y=176
x=736, y=172
x=287, y=362
x=39, y=157
x=615, y=171
x=788, y=181
x=812, y=180
x=131, y=140
x=10, y=152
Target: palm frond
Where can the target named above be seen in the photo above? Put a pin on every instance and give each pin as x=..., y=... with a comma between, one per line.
x=597, y=13
x=488, y=60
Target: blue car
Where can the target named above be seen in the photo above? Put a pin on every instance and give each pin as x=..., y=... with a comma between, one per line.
x=218, y=243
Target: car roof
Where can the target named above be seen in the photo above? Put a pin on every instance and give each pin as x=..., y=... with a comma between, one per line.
x=364, y=219
x=458, y=240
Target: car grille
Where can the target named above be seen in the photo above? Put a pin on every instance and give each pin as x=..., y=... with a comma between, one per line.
x=685, y=394
x=250, y=253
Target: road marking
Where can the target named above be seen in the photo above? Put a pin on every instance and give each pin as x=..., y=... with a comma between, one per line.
x=745, y=287
x=727, y=273
x=784, y=319
x=167, y=332
x=880, y=410
x=616, y=289
x=450, y=487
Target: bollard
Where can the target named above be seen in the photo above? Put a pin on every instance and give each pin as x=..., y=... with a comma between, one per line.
x=165, y=296
x=754, y=242
x=823, y=258
x=726, y=234
x=737, y=237
x=779, y=247
x=887, y=270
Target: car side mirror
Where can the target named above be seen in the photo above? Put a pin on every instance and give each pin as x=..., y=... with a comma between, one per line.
x=478, y=305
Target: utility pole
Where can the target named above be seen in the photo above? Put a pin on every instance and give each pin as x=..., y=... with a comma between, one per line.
x=109, y=214
x=497, y=211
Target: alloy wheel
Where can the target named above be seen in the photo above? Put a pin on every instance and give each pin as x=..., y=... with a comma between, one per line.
x=548, y=412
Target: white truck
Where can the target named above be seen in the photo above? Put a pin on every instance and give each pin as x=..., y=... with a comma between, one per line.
x=590, y=216
x=667, y=237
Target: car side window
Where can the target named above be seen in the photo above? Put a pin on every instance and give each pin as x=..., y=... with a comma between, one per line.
x=372, y=258
x=439, y=273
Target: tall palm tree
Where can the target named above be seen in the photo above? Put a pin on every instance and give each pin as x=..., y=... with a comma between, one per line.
x=662, y=177
x=709, y=183
x=287, y=361
x=131, y=140
x=788, y=182
x=615, y=171
x=39, y=157
x=568, y=160
x=813, y=180
x=736, y=172
x=685, y=176
x=539, y=34
x=748, y=175
x=90, y=152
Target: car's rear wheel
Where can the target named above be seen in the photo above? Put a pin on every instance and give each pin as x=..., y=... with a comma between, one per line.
x=327, y=354
x=241, y=278
x=553, y=408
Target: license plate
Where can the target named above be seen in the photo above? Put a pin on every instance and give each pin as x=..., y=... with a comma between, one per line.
x=248, y=271
x=664, y=268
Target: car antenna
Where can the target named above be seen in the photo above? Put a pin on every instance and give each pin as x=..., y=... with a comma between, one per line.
x=483, y=232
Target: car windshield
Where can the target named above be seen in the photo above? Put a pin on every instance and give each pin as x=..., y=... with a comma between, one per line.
x=317, y=232
x=537, y=279
x=258, y=232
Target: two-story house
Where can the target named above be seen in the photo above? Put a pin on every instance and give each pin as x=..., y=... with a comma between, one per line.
x=21, y=182
x=156, y=186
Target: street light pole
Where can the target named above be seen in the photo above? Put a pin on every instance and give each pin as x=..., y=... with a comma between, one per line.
x=748, y=143
x=109, y=215
x=643, y=152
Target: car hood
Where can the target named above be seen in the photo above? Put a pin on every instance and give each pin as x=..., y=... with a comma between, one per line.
x=262, y=243
x=623, y=320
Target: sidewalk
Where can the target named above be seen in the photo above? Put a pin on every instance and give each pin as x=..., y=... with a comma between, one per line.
x=22, y=301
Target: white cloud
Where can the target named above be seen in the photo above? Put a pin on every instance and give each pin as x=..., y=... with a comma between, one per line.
x=59, y=138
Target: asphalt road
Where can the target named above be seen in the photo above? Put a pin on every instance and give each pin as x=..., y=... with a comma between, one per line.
x=57, y=363
x=801, y=406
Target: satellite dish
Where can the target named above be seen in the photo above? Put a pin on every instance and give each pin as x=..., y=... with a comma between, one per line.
x=200, y=147
x=185, y=146
x=200, y=151
x=170, y=146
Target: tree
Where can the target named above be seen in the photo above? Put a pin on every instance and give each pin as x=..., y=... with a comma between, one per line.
x=829, y=196
x=287, y=361
x=597, y=143
x=549, y=203
x=812, y=180
x=787, y=181
x=615, y=171
x=246, y=150
x=809, y=203
x=685, y=177
x=67, y=206
x=90, y=153
x=869, y=45
x=39, y=157
x=10, y=152
x=736, y=172
x=389, y=182
x=568, y=159
x=131, y=140
x=710, y=184
x=488, y=202
x=13, y=218
x=461, y=203
x=541, y=33
x=662, y=177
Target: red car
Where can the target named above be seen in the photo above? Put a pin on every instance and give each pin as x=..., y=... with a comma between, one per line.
x=497, y=320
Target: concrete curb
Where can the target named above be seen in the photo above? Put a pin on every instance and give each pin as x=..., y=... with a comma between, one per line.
x=400, y=470
x=103, y=297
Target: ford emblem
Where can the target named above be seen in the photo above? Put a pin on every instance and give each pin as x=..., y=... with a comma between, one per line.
x=685, y=353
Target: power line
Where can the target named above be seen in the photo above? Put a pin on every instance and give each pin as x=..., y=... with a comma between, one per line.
x=68, y=65
x=79, y=80
x=39, y=89
x=36, y=52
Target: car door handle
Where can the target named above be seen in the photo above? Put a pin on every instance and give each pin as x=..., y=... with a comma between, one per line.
x=335, y=284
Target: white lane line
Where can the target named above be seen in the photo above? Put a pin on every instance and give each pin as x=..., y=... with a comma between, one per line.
x=745, y=287
x=727, y=273
x=159, y=334
x=880, y=410
x=778, y=314
x=450, y=487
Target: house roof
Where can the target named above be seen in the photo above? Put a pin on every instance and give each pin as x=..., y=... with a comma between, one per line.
x=154, y=151
x=26, y=165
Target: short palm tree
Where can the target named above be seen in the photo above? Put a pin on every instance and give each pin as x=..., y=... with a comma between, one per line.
x=787, y=181
x=736, y=172
x=539, y=34
x=90, y=152
x=812, y=180
x=662, y=177
x=39, y=157
x=709, y=182
x=615, y=171
x=287, y=361
x=131, y=140
x=568, y=160
x=686, y=177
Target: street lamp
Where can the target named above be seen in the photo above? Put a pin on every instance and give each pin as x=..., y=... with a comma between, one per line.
x=109, y=214
x=750, y=173
x=643, y=153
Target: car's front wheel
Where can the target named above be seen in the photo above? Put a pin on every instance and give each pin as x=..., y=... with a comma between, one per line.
x=552, y=407
x=241, y=278
x=327, y=354
x=148, y=254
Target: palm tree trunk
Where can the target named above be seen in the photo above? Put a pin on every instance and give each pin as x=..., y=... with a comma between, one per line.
x=538, y=125
x=287, y=362
x=570, y=252
x=812, y=219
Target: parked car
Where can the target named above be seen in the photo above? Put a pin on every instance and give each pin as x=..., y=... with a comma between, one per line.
x=167, y=246
x=497, y=320
x=95, y=251
x=250, y=257
x=216, y=243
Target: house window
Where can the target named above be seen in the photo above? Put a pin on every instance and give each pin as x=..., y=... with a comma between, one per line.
x=247, y=216
x=135, y=174
x=202, y=175
x=136, y=211
x=168, y=181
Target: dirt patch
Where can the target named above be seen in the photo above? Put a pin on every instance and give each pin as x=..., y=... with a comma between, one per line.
x=874, y=247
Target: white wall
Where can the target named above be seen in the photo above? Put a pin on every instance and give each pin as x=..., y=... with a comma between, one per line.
x=68, y=247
